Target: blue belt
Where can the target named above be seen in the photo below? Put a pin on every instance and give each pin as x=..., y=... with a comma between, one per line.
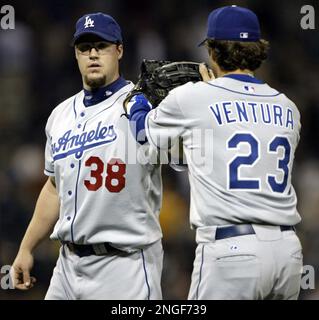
x=241, y=230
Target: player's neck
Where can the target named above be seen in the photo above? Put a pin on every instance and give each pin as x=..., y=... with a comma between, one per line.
x=92, y=97
x=222, y=73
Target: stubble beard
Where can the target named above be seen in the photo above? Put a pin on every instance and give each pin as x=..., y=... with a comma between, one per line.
x=95, y=83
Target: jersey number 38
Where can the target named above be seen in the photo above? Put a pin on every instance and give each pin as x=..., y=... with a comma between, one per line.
x=115, y=171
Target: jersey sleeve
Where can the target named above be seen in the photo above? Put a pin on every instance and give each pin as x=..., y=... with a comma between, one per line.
x=49, y=162
x=164, y=124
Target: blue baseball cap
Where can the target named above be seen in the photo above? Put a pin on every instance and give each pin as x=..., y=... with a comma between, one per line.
x=233, y=23
x=99, y=24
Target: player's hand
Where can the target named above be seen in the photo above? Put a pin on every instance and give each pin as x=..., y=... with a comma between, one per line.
x=206, y=73
x=20, y=271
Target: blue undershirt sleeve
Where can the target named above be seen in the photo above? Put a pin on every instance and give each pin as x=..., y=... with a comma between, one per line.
x=140, y=107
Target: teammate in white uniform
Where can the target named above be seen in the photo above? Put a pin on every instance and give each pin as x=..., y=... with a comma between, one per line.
x=239, y=138
x=104, y=205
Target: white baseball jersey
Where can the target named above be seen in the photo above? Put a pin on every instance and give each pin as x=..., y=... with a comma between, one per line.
x=105, y=194
x=239, y=138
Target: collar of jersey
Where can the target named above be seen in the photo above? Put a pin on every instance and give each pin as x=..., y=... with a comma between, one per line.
x=243, y=77
x=98, y=95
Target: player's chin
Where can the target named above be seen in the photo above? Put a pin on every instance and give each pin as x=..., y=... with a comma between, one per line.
x=95, y=80
x=94, y=74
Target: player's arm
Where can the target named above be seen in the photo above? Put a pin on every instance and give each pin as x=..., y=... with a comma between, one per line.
x=45, y=215
x=176, y=153
x=163, y=126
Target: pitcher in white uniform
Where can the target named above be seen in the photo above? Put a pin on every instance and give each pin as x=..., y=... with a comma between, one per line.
x=239, y=138
x=102, y=203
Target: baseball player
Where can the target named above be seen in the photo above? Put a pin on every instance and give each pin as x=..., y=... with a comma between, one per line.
x=104, y=206
x=239, y=137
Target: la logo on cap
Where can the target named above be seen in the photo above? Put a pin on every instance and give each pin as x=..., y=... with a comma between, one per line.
x=89, y=23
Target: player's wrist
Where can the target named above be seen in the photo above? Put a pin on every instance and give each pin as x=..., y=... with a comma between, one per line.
x=25, y=249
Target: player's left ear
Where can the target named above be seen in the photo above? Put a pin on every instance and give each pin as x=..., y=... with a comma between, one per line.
x=119, y=49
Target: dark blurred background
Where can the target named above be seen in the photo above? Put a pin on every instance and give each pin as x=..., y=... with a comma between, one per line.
x=38, y=71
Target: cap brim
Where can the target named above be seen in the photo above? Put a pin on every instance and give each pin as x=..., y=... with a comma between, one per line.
x=96, y=33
